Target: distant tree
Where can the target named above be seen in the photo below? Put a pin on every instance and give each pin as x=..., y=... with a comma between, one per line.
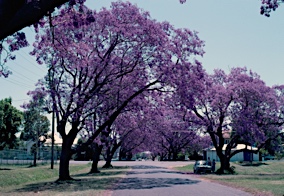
x=82, y=151
x=195, y=150
x=10, y=124
x=36, y=125
x=170, y=133
x=129, y=131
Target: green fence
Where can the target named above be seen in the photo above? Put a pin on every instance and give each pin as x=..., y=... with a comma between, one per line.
x=22, y=157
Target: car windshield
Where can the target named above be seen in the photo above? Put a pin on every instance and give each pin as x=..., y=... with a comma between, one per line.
x=201, y=163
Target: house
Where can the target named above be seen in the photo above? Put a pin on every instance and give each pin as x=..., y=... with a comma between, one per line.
x=241, y=156
x=245, y=155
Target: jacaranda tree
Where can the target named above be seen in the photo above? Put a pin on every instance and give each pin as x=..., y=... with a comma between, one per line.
x=36, y=125
x=239, y=101
x=92, y=56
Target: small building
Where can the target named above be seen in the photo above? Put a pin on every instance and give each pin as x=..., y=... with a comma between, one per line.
x=245, y=155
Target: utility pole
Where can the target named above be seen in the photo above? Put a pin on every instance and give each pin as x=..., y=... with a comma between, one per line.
x=52, y=141
x=52, y=136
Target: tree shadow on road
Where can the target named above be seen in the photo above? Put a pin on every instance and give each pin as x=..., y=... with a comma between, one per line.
x=103, y=173
x=155, y=171
x=83, y=184
x=146, y=167
x=149, y=183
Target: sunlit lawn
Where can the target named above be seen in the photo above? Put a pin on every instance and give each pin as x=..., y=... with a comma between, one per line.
x=20, y=180
x=266, y=178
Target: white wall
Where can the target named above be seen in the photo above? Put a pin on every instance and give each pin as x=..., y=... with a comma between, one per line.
x=236, y=157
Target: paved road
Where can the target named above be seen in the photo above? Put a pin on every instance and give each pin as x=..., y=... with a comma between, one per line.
x=148, y=178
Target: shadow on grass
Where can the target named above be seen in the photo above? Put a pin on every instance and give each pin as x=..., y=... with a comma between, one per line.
x=93, y=183
x=83, y=184
x=268, y=177
x=102, y=173
x=5, y=169
x=253, y=164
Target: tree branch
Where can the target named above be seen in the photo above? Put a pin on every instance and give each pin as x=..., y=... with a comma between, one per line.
x=17, y=14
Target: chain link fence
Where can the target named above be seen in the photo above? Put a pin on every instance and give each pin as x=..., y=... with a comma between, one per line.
x=22, y=157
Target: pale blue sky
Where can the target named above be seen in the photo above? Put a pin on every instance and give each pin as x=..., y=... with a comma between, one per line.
x=234, y=32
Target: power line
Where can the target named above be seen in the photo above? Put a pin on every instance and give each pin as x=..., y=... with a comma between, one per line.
x=23, y=76
x=28, y=69
x=20, y=100
x=32, y=63
x=15, y=82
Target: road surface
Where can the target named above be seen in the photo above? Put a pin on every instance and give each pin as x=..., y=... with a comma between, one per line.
x=147, y=178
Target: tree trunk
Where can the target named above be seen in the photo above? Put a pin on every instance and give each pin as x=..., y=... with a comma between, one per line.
x=122, y=154
x=96, y=157
x=108, y=164
x=260, y=156
x=162, y=157
x=175, y=156
x=108, y=158
x=65, y=156
x=169, y=156
x=35, y=155
x=110, y=153
x=225, y=163
x=66, y=152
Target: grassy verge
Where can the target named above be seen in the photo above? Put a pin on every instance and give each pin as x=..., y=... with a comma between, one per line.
x=264, y=178
x=19, y=180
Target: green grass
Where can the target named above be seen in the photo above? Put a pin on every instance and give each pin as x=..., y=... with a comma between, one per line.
x=19, y=180
x=187, y=168
x=266, y=178
x=16, y=175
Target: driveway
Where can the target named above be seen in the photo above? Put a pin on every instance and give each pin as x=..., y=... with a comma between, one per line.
x=152, y=178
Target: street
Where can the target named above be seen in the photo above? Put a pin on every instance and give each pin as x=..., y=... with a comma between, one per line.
x=153, y=178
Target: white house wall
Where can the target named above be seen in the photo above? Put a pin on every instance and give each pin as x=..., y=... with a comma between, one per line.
x=236, y=157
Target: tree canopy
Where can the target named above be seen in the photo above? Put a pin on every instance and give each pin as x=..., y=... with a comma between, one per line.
x=10, y=123
x=15, y=15
x=36, y=125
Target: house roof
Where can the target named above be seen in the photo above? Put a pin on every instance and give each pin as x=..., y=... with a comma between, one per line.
x=57, y=139
x=238, y=147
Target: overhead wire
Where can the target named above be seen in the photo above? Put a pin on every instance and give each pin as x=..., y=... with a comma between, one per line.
x=26, y=68
x=17, y=83
x=32, y=63
x=21, y=75
x=20, y=100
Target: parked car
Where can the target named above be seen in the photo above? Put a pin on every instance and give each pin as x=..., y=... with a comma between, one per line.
x=201, y=167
